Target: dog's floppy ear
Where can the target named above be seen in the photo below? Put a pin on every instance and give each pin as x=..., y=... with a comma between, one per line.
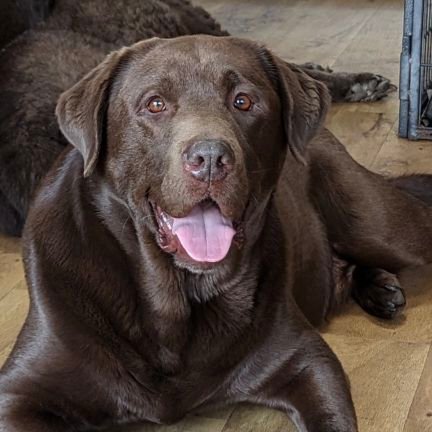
x=81, y=110
x=304, y=102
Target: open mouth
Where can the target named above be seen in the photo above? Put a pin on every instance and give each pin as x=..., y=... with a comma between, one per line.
x=203, y=236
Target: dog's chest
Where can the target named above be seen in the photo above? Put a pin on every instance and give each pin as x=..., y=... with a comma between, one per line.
x=176, y=384
x=186, y=361
x=187, y=347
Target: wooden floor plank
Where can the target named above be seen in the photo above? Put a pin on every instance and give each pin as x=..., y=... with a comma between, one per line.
x=192, y=423
x=11, y=269
x=13, y=307
x=290, y=27
x=415, y=325
x=380, y=39
x=362, y=133
x=249, y=418
x=384, y=375
x=398, y=156
x=420, y=415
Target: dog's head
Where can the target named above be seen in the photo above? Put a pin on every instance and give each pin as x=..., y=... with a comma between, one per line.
x=191, y=134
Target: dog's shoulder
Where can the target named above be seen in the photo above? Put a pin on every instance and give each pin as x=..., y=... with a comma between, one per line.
x=57, y=200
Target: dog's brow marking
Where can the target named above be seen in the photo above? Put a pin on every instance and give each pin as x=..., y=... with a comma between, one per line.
x=232, y=78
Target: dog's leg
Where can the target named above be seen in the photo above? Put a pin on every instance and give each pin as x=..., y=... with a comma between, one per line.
x=310, y=385
x=378, y=292
x=351, y=87
x=370, y=222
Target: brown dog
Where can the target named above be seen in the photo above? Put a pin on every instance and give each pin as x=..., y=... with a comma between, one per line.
x=179, y=254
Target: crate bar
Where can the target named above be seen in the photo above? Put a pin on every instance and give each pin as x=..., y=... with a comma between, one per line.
x=415, y=71
x=404, y=77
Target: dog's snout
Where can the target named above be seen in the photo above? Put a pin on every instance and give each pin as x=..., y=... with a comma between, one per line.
x=209, y=160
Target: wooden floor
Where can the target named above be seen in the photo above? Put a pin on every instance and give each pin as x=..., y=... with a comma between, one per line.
x=389, y=364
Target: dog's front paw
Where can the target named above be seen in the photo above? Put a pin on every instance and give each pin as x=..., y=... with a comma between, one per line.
x=378, y=293
x=368, y=87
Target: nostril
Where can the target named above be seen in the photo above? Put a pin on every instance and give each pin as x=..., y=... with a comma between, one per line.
x=222, y=163
x=225, y=159
x=200, y=160
x=196, y=160
x=193, y=160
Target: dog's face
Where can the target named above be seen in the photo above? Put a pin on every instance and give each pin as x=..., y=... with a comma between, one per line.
x=191, y=134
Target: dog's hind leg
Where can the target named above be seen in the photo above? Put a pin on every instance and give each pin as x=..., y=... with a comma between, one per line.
x=371, y=222
x=351, y=87
x=419, y=186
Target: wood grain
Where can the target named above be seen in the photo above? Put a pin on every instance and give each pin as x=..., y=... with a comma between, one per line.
x=397, y=157
x=420, y=414
x=363, y=133
x=13, y=307
x=384, y=375
x=248, y=418
x=11, y=270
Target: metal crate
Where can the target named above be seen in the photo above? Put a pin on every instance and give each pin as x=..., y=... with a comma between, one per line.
x=415, y=86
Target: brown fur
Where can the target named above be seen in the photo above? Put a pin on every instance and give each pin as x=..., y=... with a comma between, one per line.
x=150, y=336
x=16, y=16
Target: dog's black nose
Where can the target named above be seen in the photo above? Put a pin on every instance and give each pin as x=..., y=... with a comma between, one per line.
x=209, y=160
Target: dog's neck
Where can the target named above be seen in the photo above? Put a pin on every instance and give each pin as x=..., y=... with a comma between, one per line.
x=182, y=302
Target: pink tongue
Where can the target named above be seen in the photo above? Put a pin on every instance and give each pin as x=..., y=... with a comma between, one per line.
x=205, y=234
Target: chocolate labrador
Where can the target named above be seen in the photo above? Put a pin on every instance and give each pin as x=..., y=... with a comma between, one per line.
x=182, y=250
x=53, y=55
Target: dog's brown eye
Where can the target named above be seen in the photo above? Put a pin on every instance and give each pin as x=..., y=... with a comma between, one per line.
x=156, y=104
x=243, y=102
